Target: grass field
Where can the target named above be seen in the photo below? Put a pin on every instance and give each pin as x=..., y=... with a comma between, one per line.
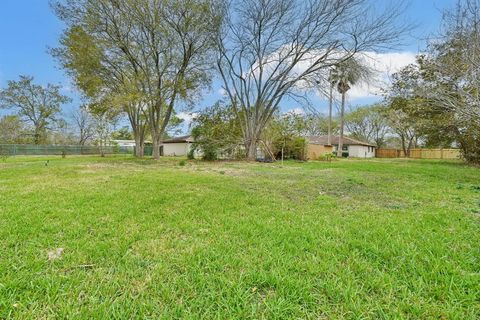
x=379, y=239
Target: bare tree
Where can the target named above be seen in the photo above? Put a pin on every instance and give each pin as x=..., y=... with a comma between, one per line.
x=461, y=36
x=270, y=49
x=84, y=124
x=103, y=124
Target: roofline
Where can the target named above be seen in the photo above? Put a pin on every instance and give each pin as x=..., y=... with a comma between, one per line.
x=176, y=141
x=355, y=142
x=181, y=139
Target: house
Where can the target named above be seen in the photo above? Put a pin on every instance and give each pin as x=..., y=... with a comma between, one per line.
x=318, y=145
x=124, y=143
x=176, y=147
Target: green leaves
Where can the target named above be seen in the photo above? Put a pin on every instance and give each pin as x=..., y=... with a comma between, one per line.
x=36, y=104
x=82, y=58
x=216, y=130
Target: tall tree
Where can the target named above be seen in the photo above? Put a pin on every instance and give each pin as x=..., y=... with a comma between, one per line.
x=38, y=105
x=270, y=49
x=452, y=71
x=368, y=124
x=346, y=74
x=404, y=124
x=151, y=54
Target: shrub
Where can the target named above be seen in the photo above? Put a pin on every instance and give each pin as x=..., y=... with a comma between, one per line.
x=327, y=157
x=191, y=154
x=182, y=163
x=209, y=154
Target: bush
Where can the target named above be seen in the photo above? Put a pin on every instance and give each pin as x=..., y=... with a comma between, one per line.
x=191, y=154
x=182, y=163
x=293, y=148
x=209, y=154
x=470, y=145
x=327, y=157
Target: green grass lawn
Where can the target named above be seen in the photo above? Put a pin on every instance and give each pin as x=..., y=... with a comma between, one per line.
x=356, y=239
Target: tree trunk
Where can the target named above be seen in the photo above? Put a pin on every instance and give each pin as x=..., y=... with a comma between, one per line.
x=36, y=139
x=330, y=102
x=404, y=147
x=139, y=146
x=410, y=145
x=139, y=136
x=138, y=127
x=156, y=148
x=340, y=138
x=251, y=148
x=155, y=132
x=37, y=136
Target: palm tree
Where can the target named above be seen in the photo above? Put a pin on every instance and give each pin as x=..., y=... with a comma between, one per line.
x=346, y=74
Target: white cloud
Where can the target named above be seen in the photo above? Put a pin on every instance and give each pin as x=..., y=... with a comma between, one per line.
x=222, y=92
x=295, y=111
x=383, y=65
x=187, y=117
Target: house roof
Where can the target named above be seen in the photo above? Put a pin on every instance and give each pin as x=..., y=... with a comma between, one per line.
x=181, y=139
x=128, y=141
x=322, y=140
x=123, y=141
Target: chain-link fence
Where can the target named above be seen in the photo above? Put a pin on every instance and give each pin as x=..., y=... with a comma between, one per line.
x=43, y=150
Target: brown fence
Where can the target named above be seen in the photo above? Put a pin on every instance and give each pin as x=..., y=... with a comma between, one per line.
x=420, y=153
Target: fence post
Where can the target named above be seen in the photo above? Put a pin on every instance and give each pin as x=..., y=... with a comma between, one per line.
x=441, y=153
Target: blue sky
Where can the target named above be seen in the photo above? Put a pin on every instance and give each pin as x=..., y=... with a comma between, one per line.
x=28, y=28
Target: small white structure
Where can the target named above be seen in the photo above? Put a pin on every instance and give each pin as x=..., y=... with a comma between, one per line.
x=124, y=143
x=176, y=147
x=351, y=148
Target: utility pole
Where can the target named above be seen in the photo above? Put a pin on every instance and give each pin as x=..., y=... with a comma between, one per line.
x=330, y=106
x=330, y=103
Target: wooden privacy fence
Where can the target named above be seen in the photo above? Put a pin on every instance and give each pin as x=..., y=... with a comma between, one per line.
x=420, y=153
